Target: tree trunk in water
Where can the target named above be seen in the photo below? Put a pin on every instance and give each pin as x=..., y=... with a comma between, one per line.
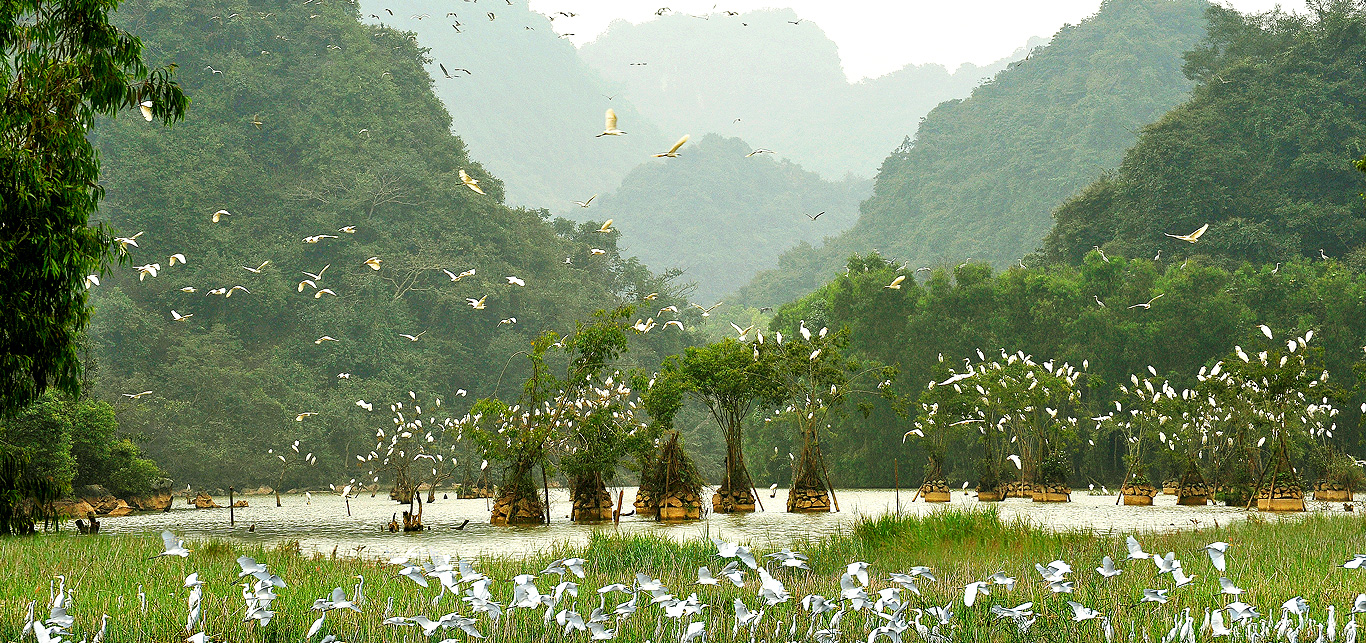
x=736, y=492
x=808, y=493
x=591, y=502
x=519, y=500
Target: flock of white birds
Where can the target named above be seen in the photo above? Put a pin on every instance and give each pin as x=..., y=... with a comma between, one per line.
x=553, y=594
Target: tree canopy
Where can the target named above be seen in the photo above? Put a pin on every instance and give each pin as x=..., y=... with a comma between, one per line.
x=63, y=65
x=1262, y=152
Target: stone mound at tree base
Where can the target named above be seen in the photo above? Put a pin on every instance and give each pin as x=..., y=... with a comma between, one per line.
x=1281, y=499
x=1140, y=495
x=808, y=501
x=1169, y=488
x=508, y=510
x=990, y=496
x=1017, y=489
x=732, y=502
x=935, y=491
x=1052, y=492
x=1332, y=492
x=473, y=491
x=681, y=506
x=590, y=511
x=645, y=503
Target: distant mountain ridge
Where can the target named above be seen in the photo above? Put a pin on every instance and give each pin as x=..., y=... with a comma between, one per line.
x=982, y=175
x=528, y=107
x=775, y=84
x=720, y=216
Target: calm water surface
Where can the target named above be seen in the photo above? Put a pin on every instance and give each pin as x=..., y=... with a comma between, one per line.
x=323, y=525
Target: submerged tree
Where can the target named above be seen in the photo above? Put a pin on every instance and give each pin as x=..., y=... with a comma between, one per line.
x=730, y=377
x=587, y=414
x=289, y=457
x=817, y=381
x=64, y=65
x=399, y=452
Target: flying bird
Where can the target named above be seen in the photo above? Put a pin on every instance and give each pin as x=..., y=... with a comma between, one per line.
x=373, y=262
x=1148, y=304
x=471, y=183
x=515, y=281
x=673, y=151
x=411, y=338
x=1192, y=237
x=146, y=107
x=606, y=227
x=219, y=214
x=584, y=204
x=179, y=317
x=611, y=127
x=138, y=396
x=896, y=283
x=477, y=304
x=760, y=151
x=257, y=270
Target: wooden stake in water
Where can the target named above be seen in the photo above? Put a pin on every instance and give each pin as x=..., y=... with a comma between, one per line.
x=232, y=520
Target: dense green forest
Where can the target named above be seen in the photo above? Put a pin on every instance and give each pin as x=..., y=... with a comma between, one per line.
x=304, y=122
x=523, y=100
x=1262, y=152
x=982, y=175
x=775, y=84
x=721, y=217
x=1200, y=313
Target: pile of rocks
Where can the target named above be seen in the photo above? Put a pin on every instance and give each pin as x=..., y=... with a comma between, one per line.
x=732, y=501
x=1281, y=498
x=1052, y=492
x=645, y=502
x=1194, y=494
x=586, y=509
x=808, y=500
x=990, y=495
x=1170, y=487
x=1138, y=494
x=95, y=499
x=203, y=501
x=1332, y=492
x=935, y=491
x=1017, y=489
x=680, y=505
x=510, y=510
x=465, y=492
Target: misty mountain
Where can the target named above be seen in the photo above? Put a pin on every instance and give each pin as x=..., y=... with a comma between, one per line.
x=720, y=217
x=982, y=175
x=777, y=85
x=528, y=107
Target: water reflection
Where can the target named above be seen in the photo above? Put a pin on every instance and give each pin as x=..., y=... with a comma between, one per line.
x=324, y=526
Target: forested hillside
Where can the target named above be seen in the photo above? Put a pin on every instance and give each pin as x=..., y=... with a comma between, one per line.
x=1262, y=152
x=323, y=141
x=776, y=84
x=1198, y=312
x=982, y=175
x=523, y=100
x=721, y=216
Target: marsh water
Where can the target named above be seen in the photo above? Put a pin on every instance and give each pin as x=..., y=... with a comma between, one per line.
x=322, y=524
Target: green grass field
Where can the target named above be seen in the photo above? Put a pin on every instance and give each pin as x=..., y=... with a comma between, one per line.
x=1272, y=560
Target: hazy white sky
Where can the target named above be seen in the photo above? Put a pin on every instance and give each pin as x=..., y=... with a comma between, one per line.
x=879, y=36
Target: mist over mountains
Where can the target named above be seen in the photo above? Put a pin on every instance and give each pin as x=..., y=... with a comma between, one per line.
x=775, y=84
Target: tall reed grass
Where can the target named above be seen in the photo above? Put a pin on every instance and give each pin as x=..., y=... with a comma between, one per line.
x=1273, y=561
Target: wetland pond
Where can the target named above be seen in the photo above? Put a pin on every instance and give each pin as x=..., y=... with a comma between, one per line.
x=322, y=524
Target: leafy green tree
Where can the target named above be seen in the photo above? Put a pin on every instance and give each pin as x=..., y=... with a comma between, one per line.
x=818, y=381
x=65, y=65
x=1261, y=153
x=729, y=377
